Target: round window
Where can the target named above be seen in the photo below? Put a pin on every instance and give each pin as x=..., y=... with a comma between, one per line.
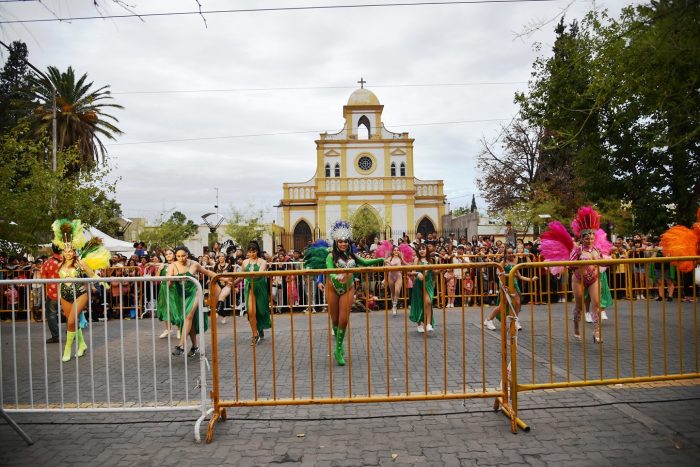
x=365, y=163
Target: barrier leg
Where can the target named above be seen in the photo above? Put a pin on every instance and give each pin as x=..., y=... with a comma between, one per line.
x=16, y=427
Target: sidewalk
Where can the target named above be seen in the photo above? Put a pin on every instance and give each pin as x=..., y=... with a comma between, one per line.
x=651, y=424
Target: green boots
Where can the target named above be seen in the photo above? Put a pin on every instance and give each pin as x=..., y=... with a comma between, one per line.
x=339, y=351
x=82, y=346
x=70, y=336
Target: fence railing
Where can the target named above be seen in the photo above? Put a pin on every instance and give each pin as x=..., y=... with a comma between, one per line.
x=125, y=368
x=388, y=359
x=641, y=339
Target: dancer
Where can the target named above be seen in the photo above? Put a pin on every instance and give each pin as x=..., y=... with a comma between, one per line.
x=341, y=290
x=184, y=305
x=557, y=245
x=80, y=259
x=222, y=266
x=165, y=315
x=509, y=261
x=399, y=255
x=423, y=292
x=257, y=296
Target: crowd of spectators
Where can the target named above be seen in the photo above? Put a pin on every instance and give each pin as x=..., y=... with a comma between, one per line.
x=468, y=285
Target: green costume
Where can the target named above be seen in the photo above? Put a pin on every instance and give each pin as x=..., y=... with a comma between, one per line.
x=343, y=286
x=262, y=298
x=179, y=308
x=417, y=296
x=162, y=302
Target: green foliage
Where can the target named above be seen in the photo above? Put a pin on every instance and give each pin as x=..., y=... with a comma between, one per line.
x=461, y=210
x=245, y=226
x=14, y=81
x=365, y=224
x=170, y=233
x=32, y=196
x=81, y=117
x=620, y=110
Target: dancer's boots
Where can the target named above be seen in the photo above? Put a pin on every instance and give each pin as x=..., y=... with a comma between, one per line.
x=70, y=336
x=82, y=346
x=339, y=350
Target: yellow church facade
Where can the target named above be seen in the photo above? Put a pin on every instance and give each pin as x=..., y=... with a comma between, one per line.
x=364, y=166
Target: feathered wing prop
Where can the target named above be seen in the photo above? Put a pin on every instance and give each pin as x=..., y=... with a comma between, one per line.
x=316, y=254
x=682, y=241
x=95, y=254
x=407, y=252
x=384, y=249
x=556, y=244
x=602, y=243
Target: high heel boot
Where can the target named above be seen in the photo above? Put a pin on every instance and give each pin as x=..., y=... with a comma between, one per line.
x=339, y=350
x=70, y=336
x=82, y=346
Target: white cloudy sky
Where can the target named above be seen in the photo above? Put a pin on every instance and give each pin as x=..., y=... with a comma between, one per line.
x=239, y=62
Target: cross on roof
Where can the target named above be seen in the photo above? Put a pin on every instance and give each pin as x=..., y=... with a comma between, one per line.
x=362, y=82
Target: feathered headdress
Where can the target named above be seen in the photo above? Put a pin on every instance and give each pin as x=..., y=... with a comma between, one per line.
x=384, y=249
x=341, y=230
x=68, y=234
x=682, y=241
x=587, y=221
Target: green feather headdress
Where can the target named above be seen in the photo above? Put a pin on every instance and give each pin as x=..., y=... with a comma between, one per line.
x=68, y=234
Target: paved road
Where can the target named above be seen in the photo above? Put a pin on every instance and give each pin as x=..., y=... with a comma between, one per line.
x=642, y=424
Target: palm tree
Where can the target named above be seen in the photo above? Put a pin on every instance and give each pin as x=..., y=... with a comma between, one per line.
x=81, y=120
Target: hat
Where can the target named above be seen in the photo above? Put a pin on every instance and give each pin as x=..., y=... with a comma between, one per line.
x=461, y=246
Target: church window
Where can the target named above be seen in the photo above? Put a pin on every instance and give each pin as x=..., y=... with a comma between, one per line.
x=337, y=169
x=328, y=169
x=364, y=163
x=363, y=128
x=403, y=169
x=393, y=169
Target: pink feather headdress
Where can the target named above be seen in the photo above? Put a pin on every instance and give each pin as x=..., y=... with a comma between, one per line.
x=587, y=221
x=383, y=249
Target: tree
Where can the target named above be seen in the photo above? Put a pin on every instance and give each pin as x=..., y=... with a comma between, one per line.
x=81, y=116
x=246, y=226
x=365, y=224
x=620, y=110
x=170, y=233
x=32, y=196
x=511, y=168
x=14, y=82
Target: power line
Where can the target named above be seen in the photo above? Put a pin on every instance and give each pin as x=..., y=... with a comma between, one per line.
x=307, y=88
x=282, y=133
x=268, y=10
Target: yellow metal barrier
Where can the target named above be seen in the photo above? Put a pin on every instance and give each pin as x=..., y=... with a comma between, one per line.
x=657, y=343
x=459, y=360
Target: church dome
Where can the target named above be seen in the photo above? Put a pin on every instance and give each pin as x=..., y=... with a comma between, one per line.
x=363, y=97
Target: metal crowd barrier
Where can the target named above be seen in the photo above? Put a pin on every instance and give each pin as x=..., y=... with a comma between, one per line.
x=293, y=363
x=643, y=340
x=127, y=368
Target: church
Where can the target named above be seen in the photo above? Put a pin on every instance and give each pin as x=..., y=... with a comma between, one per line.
x=362, y=167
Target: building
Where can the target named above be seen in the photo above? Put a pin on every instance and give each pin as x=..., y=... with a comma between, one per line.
x=362, y=167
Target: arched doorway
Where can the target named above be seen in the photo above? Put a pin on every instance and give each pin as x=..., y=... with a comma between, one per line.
x=302, y=235
x=366, y=224
x=425, y=226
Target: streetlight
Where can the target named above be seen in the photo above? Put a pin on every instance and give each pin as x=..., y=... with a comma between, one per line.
x=213, y=221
